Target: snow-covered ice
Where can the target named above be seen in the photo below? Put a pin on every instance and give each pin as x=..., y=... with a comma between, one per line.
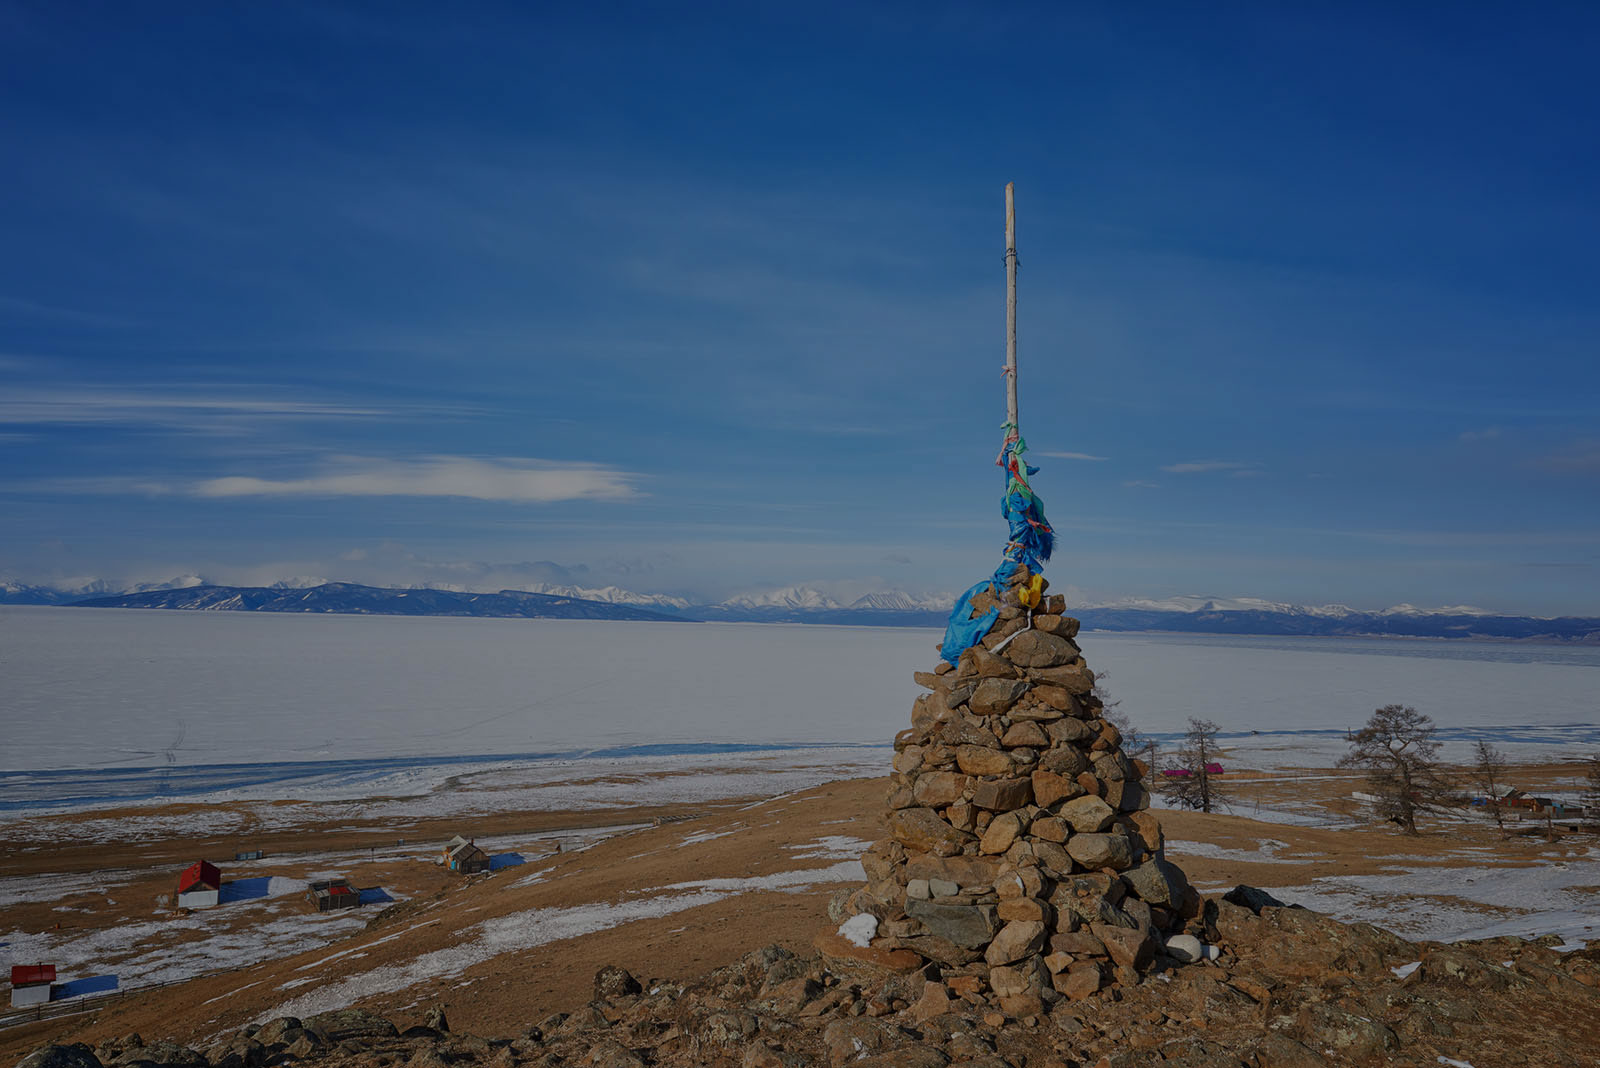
x=112, y=707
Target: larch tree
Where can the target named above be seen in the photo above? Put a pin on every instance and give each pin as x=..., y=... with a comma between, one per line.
x=1189, y=779
x=1489, y=771
x=1400, y=755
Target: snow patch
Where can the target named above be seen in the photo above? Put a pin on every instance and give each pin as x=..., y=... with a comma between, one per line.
x=831, y=847
x=859, y=929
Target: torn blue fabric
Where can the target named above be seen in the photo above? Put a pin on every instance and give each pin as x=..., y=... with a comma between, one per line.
x=1030, y=544
x=962, y=633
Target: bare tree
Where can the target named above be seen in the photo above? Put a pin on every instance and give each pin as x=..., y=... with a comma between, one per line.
x=1398, y=750
x=1189, y=779
x=1489, y=769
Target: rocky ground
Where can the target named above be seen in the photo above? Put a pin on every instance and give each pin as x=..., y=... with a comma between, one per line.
x=508, y=952
x=1291, y=988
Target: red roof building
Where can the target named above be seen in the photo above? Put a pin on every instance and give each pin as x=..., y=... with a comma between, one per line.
x=32, y=984
x=32, y=974
x=200, y=875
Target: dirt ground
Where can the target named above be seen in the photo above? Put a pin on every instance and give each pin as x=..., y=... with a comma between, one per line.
x=672, y=898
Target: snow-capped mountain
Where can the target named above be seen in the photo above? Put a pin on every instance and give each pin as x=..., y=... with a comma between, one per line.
x=804, y=604
x=1253, y=616
x=1222, y=604
x=900, y=601
x=805, y=598
x=348, y=598
x=608, y=595
x=1448, y=610
x=182, y=582
x=299, y=582
x=789, y=597
x=70, y=590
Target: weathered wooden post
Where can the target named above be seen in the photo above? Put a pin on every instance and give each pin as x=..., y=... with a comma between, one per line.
x=1011, y=309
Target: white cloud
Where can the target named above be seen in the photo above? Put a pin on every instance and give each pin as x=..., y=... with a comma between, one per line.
x=1068, y=455
x=1487, y=434
x=1140, y=483
x=1192, y=467
x=522, y=480
x=509, y=479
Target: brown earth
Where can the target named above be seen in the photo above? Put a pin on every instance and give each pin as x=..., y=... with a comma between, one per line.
x=558, y=926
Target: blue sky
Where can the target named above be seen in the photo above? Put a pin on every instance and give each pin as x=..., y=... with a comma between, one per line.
x=700, y=299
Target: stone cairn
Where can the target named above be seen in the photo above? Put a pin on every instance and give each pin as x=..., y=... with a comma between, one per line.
x=1022, y=865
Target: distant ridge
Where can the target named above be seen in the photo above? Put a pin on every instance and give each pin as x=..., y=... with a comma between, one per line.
x=347, y=598
x=891, y=608
x=1393, y=623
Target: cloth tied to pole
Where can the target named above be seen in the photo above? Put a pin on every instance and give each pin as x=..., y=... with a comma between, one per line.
x=1030, y=545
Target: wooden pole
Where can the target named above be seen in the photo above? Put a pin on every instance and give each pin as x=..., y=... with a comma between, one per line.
x=1011, y=309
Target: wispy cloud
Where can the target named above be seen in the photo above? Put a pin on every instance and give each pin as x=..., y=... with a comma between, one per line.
x=1140, y=483
x=1486, y=434
x=1579, y=458
x=131, y=407
x=1068, y=455
x=20, y=306
x=1194, y=467
x=513, y=479
x=525, y=481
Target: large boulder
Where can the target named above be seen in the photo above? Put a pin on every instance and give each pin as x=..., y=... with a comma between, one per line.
x=1037, y=649
x=1088, y=815
x=342, y=1024
x=1002, y=795
x=77, y=1055
x=967, y=926
x=612, y=982
x=993, y=697
x=922, y=829
x=938, y=788
x=1016, y=940
x=1101, y=850
x=1158, y=882
x=983, y=760
x=963, y=871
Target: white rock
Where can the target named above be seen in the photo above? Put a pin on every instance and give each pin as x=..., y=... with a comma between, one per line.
x=1185, y=948
x=859, y=929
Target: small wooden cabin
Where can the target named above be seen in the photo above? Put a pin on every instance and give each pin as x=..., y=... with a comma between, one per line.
x=31, y=984
x=332, y=894
x=200, y=886
x=463, y=855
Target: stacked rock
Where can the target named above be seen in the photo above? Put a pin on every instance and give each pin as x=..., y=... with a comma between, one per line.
x=1023, y=865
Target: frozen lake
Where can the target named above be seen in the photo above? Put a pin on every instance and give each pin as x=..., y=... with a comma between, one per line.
x=102, y=705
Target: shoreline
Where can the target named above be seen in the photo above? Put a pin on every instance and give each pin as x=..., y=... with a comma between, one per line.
x=667, y=769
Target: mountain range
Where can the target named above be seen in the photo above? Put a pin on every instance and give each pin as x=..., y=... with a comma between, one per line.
x=798, y=604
